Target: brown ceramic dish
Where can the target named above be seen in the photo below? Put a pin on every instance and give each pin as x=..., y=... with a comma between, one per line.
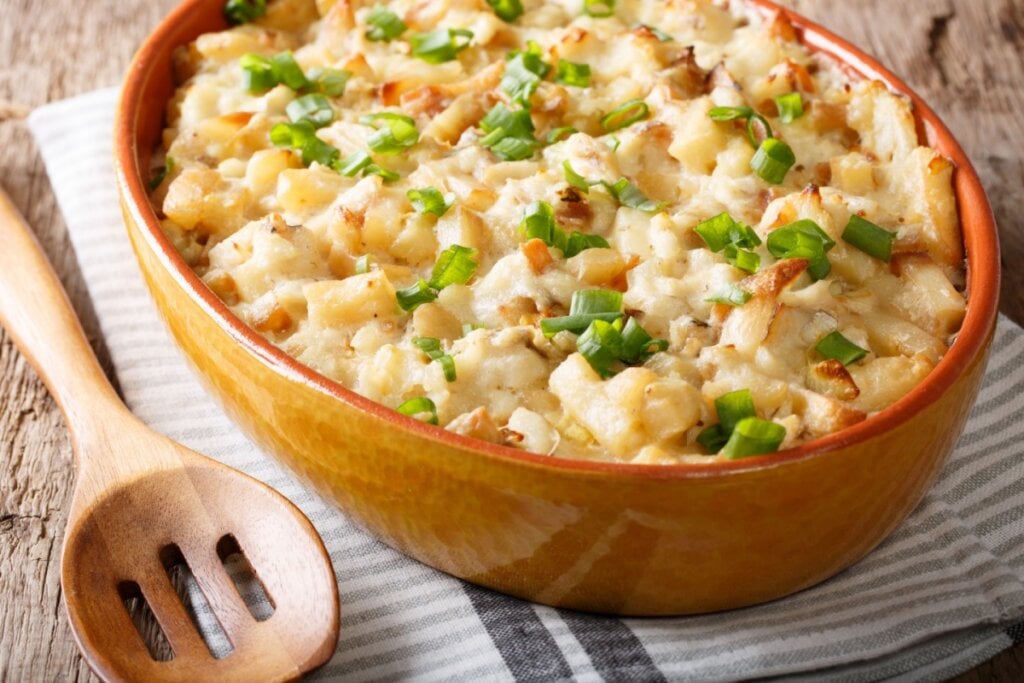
x=625, y=539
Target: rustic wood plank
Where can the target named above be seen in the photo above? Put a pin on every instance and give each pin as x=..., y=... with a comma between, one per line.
x=966, y=58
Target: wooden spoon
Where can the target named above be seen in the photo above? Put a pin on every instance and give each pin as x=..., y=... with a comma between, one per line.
x=142, y=501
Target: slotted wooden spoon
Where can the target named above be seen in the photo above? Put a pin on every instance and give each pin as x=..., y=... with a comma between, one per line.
x=140, y=498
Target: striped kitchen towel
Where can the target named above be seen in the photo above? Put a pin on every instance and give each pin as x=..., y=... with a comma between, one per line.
x=944, y=593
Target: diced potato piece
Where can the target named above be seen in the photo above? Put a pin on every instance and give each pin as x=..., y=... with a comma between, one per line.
x=199, y=199
x=531, y=432
x=354, y=300
x=464, y=227
x=265, y=166
x=699, y=139
x=927, y=297
x=853, y=173
x=432, y=320
x=883, y=381
x=477, y=424
x=823, y=415
x=597, y=267
x=670, y=407
x=304, y=191
x=883, y=120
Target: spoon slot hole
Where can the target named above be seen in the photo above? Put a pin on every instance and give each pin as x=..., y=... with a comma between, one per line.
x=249, y=587
x=145, y=621
x=192, y=598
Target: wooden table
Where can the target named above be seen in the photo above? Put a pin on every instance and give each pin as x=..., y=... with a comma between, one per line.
x=966, y=57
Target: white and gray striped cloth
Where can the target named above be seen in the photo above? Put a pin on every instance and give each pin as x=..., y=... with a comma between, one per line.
x=943, y=594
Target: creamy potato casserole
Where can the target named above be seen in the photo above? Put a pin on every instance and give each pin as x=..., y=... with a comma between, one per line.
x=653, y=231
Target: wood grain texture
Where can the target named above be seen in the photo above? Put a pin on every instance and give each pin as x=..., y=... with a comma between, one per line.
x=965, y=57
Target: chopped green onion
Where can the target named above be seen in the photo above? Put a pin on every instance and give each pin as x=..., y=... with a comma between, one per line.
x=571, y=73
x=420, y=406
x=258, y=73
x=509, y=133
x=158, y=179
x=430, y=200
x=614, y=142
x=838, y=347
x=576, y=241
x=625, y=114
x=601, y=346
x=353, y=164
x=432, y=347
x=803, y=239
x=730, y=113
x=508, y=10
x=524, y=70
x=587, y=306
x=754, y=436
x=455, y=265
x=302, y=136
x=397, y=133
x=658, y=33
x=599, y=8
x=243, y=11
x=791, y=107
x=383, y=24
x=411, y=297
x=330, y=82
x=734, y=407
x=758, y=130
x=721, y=231
x=713, y=438
x=288, y=71
x=442, y=45
x=363, y=264
x=731, y=296
x=869, y=238
x=773, y=160
x=386, y=175
x=313, y=108
x=630, y=195
x=469, y=327
x=539, y=223
x=742, y=259
x=637, y=344
x=559, y=134
x=575, y=179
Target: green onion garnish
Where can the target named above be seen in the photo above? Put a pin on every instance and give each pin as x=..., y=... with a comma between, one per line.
x=730, y=113
x=330, y=82
x=539, y=223
x=754, y=436
x=587, y=306
x=386, y=175
x=162, y=174
x=630, y=195
x=243, y=11
x=439, y=46
x=524, y=70
x=363, y=264
x=730, y=296
x=395, y=132
x=625, y=114
x=313, y=108
x=575, y=179
x=658, y=33
x=420, y=406
x=721, y=231
x=411, y=297
x=773, y=160
x=599, y=8
x=758, y=130
x=637, y=344
x=791, y=107
x=509, y=134
x=288, y=71
x=302, y=136
x=430, y=200
x=258, y=73
x=455, y=265
x=743, y=259
x=432, y=347
x=601, y=345
x=383, y=24
x=571, y=73
x=838, y=347
x=509, y=10
x=353, y=164
x=614, y=142
x=803, y=239
x=869, y=238
x=559, y=134
x=734, y=407
x=713, y=438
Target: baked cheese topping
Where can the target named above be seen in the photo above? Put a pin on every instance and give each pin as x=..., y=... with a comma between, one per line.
x=653, y=231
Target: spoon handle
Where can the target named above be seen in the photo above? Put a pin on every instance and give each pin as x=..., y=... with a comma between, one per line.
x=38, y=316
